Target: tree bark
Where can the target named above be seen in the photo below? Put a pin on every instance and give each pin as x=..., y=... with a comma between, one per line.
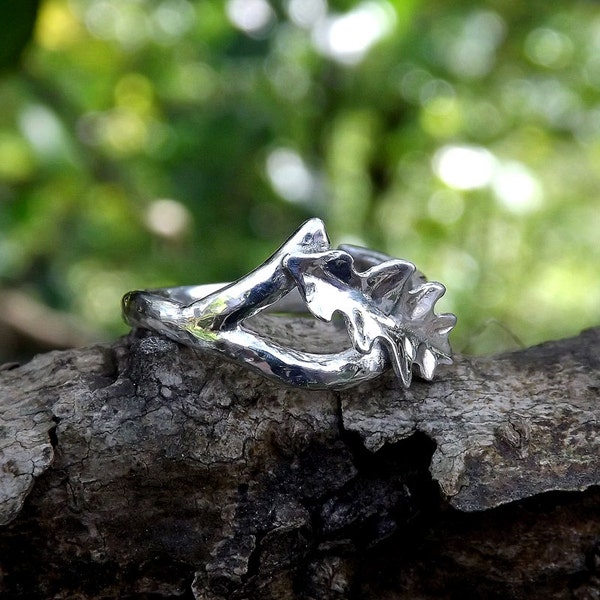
x=142, y=469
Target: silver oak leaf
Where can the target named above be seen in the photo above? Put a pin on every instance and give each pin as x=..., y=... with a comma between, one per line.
x=388, y=304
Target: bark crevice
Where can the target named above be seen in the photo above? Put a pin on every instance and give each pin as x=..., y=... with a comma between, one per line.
x=145, y=469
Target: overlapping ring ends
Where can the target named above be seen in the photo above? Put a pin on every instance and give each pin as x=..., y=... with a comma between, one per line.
x=386, y=304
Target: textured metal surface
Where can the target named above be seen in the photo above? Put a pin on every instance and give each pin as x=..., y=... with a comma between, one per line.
x=386, y=305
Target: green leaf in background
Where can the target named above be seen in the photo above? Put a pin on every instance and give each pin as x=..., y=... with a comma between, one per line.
x=149, y=143
x=19, y=20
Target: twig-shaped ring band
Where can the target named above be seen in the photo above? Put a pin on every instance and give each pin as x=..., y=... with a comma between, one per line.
x=387, y=306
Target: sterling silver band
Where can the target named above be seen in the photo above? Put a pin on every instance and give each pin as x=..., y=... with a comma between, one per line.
x=386, y=303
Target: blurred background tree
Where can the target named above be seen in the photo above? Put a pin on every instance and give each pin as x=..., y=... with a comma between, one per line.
x=164, y=142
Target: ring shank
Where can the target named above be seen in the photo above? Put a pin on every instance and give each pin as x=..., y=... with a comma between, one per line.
x=210, y=317
x=188, y=294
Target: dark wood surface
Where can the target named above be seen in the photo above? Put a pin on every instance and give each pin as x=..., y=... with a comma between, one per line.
x=142, y=469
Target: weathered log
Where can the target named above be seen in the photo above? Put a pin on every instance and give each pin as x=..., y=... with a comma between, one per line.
x=143, y=469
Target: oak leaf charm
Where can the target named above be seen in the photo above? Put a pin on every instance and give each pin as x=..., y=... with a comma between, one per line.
x=389, y=304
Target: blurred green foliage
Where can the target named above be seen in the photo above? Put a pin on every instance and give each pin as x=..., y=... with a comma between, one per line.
x=160, y=142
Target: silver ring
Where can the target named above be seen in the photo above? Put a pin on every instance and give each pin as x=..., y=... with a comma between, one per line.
x=386, y=304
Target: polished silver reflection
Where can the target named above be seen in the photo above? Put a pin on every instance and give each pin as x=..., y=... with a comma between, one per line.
x=387, y=306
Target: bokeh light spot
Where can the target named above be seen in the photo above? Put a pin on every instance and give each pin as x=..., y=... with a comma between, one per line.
x=306, y=13
x=290, y=81
x=168, y=218
x=464, y=167
x=549, y=48
x=171, y=19
x=134, y=91
x=434, y=89
x=516, y=188
x=101, y=19
x=126, y=22
x=458, y=269
x=442, y=117
x=446, y=206
x=348, y=38
x=57, y=28
x=16, y=160
x=97, y=290
x=289, y=175
x=473, y=54
x=254, y=17
x=191, y=82
x=124, y=132
x=43, y=130
x=412, y=84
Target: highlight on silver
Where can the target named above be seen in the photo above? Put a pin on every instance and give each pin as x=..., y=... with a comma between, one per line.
x=387, y=306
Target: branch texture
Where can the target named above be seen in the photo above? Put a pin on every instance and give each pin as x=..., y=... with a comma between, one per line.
x=144, y=469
